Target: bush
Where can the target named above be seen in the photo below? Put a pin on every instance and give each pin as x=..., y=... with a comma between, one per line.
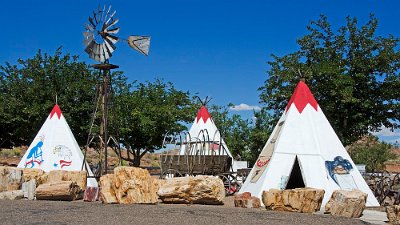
x=372, y=153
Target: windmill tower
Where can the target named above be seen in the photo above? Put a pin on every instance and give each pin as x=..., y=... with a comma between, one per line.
x=100, y=39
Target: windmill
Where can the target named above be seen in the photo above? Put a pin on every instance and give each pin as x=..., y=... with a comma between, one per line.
x=100, y=39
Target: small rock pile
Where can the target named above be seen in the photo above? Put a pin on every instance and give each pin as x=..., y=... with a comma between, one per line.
x=17, y=183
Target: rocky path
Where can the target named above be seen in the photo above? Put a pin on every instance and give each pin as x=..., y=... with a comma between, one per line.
x=46, y=212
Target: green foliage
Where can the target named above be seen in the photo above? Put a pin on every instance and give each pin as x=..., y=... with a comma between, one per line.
x=28, y=91
x=14, y=152
x=147, y=112
x=244, y=138
x=353, y=74
x=371, y=153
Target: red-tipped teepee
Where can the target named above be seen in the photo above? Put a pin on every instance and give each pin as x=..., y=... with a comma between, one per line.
x=304, y=151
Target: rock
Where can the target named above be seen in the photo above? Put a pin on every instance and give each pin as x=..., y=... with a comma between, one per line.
x=107, y=193
x=207, y=190
x=61, y=190
x=10, y=178
x=29, y=189
x=346, y=203
x=62, y=175
x=91, y=194
x=12, y=195
x=393, y=214
x=37, y=174
x=303, y=200
x=134, y=185
x=245, y=200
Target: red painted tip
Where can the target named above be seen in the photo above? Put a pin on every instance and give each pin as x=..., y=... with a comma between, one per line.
x=301, y=97
x=56, y=110
x=203, y=114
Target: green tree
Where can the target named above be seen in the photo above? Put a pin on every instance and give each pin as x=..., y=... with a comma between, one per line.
x=353, y=74
x=372, y=153
x=146, y=112
x=234, y=130
x=28, y=91
x=244, y=138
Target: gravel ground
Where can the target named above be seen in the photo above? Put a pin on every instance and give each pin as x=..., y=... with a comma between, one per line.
x=54, y=212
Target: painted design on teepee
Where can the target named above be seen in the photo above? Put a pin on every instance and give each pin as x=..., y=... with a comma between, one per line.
x=64, y=155
x=34, y=153
x=301, y=97
x=266, y=154
x=203, y=114
x=338, y=166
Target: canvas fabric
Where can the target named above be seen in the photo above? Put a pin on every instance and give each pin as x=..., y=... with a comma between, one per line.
x=55, y=148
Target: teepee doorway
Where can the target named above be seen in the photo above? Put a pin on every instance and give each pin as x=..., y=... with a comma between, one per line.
x=295, y=178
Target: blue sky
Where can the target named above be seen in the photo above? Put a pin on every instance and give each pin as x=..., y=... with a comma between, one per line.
x=213, y=48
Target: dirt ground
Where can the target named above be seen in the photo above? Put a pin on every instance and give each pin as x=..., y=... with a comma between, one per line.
x=79, y=212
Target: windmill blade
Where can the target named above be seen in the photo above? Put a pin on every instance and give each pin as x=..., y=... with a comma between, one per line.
x=89, y=27
x=111, y=17
x=110, y=46
x=95, y=18
x=112, y=38
x=103, y=13
x=108, y=11
x=111, y=24
x=140, y=43
x=88, y=37
x=105, y=51
x=101, y=53
x=91, y=21
x=112, y=31
x=89, y=47
x=96, y=49
x=112, y=14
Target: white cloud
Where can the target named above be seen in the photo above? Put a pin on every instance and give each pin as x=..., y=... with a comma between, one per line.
x=245, y=107
x=386, y=132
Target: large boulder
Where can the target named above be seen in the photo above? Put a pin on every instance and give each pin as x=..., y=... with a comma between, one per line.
x=107, y=193
x=346, y=203
x=193, y=190
x=12, y=195
x=303, y=200
x=134, y=185
x=10, y=178
x=245, y=200
x=62, y=175
x=38, y=175
x=393, y=214
x=61, y=190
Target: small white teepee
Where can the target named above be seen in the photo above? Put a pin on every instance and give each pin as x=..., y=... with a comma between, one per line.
x=204, y=129
x=304, y=151
x=55, y=148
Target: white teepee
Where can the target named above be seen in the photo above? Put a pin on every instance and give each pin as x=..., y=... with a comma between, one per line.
x=204, y=129
x=55, y=148
x=304, y=151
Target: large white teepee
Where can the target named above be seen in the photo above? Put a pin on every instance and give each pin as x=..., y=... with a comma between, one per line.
x=304, y=151
x=55, y=148
x=204, y=129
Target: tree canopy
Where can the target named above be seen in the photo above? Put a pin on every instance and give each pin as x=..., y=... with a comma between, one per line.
x=353, y=73
x=28, y=91
x=245, y=138
x=147, y=112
